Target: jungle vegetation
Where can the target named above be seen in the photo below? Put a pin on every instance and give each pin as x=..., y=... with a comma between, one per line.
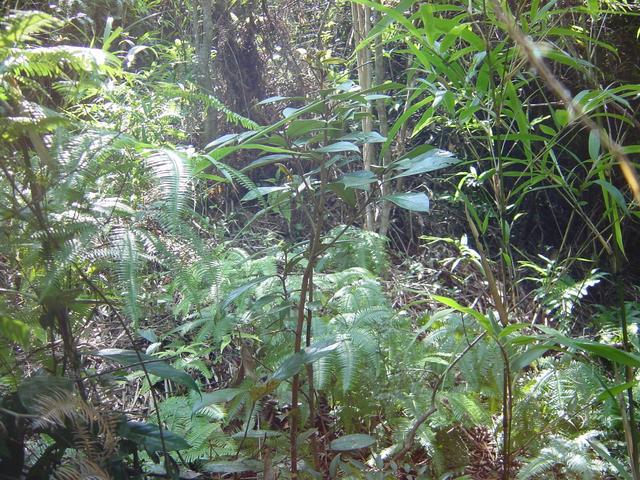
x=319, y=239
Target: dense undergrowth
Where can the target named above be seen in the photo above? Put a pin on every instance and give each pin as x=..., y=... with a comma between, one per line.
x=424, y=271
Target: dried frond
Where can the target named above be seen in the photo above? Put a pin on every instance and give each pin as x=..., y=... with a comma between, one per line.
x=80, y=470
x=94, y=430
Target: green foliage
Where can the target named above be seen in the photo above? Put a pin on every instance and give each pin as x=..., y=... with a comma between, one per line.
x=254, y=319
x=572, y=458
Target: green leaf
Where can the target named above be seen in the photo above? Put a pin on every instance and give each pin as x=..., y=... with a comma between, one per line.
x=274, y=99
x=219, y=396
x=294, y=363
x=298, y=128
x=237, y=466
x=289, y=111
x=599, y=349
x=615, y=194
x=14, y=330
x=528, y=357
x=148, y=436
x=339, y=147
x=481, y=319
x=346, y=194
x=427, y=162
x=594, y=145
x=266, y=160
x=235, y=294
x=416, y=202
x=258, y=434
x=612, y=392
x=352, y=442
x=155, y=366
x=360, y=179
x=262, y=191
x=371, y=137
x=376, y=96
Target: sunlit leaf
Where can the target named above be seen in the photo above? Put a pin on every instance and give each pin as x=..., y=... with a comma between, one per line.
x=416, y=202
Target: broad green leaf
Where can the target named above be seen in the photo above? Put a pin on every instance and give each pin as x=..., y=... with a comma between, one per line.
x=436, y=360
x=339, y=147
x=289, y=111
x=376, y=96
x=298, y=128
x=348, y=195
x=599, y=349
x=274, y=99
x=267, y=160
x=361, y=179
x=416, y=202
x=294, y=363
x=14, y=330
x=316, y=352
x=155, y=366
x=352, y=442
x=237, y=466
x=615, y=390
x=614, y=193
x=604, y=453
x=148, y=335
x=360, y=137
x=235, y=294
x=427, y=162
x=148, y=436
x=219, y=396
x=509, y=329
x=527, y=357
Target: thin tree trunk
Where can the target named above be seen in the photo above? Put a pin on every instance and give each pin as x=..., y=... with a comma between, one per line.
x=361, y=26
x=383, y=121
x=204, y=68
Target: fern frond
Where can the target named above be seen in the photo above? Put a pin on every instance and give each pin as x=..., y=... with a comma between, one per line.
x=52, y=61
x=233, y=174
x=192, y=93
x=172, y=172
x=127, y=268
x=80, y=469
x=574, y=456
x=21, y=26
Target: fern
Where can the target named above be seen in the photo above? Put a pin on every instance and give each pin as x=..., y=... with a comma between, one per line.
x=21, y=26
x=191, y=92
x=172, y=172
x=128, y=265
x=355, y=248
x=574, y=457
